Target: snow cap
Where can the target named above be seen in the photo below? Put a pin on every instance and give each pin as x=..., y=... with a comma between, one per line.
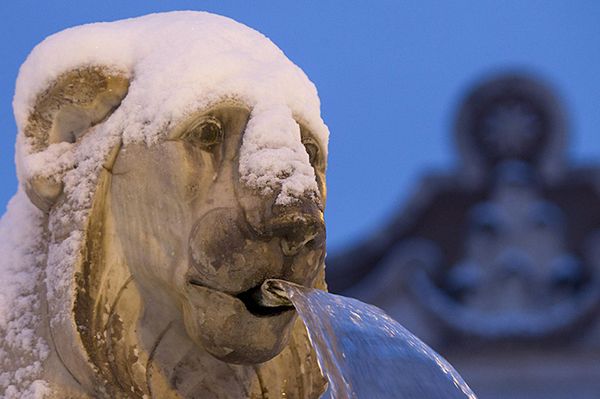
x=180, y=63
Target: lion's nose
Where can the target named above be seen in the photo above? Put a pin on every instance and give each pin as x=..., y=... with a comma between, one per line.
x=298, y=226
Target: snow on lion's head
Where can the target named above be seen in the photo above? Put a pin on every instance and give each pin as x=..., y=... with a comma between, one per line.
x=168, y=165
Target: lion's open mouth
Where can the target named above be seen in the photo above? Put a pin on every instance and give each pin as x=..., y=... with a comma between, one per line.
x=255, y=304
x=252, y=300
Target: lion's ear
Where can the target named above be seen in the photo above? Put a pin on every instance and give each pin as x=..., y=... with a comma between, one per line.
x=73, y=103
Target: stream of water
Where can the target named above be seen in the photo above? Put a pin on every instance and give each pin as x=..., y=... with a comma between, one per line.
x=365, y=354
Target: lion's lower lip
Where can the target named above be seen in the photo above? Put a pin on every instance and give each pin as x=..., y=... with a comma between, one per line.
x=250, y=299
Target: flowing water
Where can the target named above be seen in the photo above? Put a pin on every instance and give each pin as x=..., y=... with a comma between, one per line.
x=364, y=353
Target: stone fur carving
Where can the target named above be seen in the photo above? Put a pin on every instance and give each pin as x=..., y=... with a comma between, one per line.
x=168, y=165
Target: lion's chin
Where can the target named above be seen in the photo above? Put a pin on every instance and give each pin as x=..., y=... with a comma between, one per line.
x=236, y=329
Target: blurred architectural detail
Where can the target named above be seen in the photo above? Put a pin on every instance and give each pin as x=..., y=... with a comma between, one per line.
x=497, y=265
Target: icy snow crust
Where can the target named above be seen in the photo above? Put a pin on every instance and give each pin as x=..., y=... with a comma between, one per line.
x=22, y=348
x=178, y=64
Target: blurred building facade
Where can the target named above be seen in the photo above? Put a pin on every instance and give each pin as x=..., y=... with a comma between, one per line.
x=496, y=265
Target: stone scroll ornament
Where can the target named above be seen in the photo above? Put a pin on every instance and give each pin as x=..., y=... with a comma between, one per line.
x=167, y=165
x=504, y=249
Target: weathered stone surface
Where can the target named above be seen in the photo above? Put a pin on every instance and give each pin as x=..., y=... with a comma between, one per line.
x=170, y=252
x=152, y=252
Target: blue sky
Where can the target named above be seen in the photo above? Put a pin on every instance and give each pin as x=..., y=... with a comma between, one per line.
x=389, y=75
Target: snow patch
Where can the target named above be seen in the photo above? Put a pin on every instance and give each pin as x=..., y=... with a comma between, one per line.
x=180, y=63
x=273, y=156
x=22, y=347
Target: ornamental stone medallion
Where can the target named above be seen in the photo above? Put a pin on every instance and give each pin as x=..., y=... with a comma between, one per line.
x=497, y=265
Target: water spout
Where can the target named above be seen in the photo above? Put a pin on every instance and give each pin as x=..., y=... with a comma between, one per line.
x=363, y=352
x=273, y=293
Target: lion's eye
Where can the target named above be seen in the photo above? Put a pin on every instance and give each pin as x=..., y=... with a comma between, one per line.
x=206, y=134
x=313, y=151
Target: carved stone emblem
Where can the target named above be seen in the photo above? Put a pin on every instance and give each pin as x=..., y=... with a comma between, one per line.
x=497, y=264
x=506, y=248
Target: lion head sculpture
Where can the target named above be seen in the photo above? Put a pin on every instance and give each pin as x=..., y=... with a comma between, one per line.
x=168, y=165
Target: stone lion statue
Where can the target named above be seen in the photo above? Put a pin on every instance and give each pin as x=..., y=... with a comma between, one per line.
x=168, y=165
